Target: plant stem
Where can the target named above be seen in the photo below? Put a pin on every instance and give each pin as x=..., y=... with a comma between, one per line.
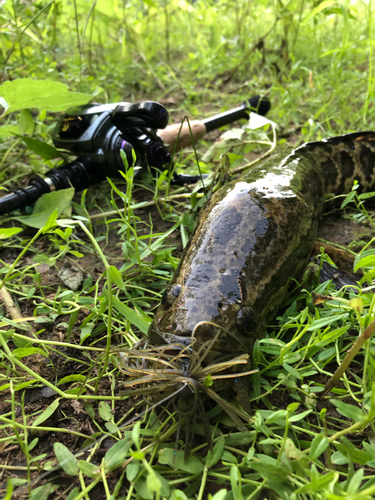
x=12, y=267
x=203, y=483
x=365, y=335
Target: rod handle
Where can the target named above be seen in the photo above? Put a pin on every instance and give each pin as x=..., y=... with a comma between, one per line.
x=169, y=134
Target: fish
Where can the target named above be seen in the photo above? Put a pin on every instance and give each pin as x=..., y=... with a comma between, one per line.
x=251, y=239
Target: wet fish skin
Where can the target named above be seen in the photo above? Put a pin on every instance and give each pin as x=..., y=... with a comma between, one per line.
x=252, y=238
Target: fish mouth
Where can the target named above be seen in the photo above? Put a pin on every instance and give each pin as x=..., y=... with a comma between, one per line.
x=159, y=337
x=217, y=339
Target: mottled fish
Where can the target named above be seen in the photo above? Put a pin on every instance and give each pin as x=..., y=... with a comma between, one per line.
x=252, y=238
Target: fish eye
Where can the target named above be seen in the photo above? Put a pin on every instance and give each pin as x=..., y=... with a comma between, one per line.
x=164, y=297
x=175, y=290
x=246, y=321
x=170, y=295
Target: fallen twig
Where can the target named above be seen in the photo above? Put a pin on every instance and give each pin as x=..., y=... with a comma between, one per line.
x=11, y=308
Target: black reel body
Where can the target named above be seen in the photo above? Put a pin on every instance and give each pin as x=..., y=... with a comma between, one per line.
x=96, y=134
x=102, y=131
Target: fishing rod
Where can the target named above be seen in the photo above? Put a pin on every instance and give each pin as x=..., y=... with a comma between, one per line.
x=97, y=134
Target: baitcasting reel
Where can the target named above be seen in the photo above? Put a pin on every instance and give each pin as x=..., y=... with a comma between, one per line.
x=97, y=134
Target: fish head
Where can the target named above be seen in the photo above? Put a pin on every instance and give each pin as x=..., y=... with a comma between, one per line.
x=203, y=314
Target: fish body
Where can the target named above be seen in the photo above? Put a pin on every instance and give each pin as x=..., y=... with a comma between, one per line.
x=251, y=239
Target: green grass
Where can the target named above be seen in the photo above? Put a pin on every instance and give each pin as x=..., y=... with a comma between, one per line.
x=316, y=65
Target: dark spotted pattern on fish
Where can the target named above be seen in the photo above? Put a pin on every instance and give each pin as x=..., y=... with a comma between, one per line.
x=252, y=238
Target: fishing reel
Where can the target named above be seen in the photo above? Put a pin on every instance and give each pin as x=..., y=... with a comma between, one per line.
x=102, y=131
x=97, y=134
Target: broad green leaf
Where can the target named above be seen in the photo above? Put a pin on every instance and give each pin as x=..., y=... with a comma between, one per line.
x=233, y=133
x=332, y=335
x=175, y=459
x=89, y=409
x=352, y=451
x=89, y=469
x=41, y=148
x=153, y=482
x=370, y=449
x=112, y=427
x=213, y=457
x=267, y=468
x=9, y=232
x=355, y=482
x=321, y=482
x=136, y=434
x=368, y=261
x=141, y=322
x=292, y=371
x=142, y=489
x=46, y=205
x=132, y=470
x=322, y=322
x=51, y=222
x=32, y=445
x=8, y=130
x=42, y=94
x=239, y=438
x=105, y=411
x=76, y=390
x=72, y=378
x=292, y=407
x=46, y=413
x=235, y=481
x=250, y=454
x=220, y=495
x=227, y=456
x=366, y=196
x=26, y=122
x=348, y=199
x=22, y=385
x=115, y=456
x=318, y=446
x=116, y=277
x=339, y=459
x=73, y=494
x=349, y=411
x=300, y=416
x=277, y=416
x=66, y=459
x=23, y=352
x=42, y=492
